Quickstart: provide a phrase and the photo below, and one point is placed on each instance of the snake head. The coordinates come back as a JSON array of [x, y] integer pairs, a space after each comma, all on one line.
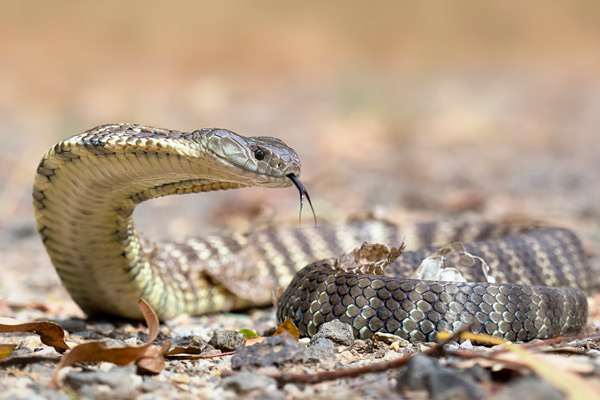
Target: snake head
[[266, 161], [260, 160]]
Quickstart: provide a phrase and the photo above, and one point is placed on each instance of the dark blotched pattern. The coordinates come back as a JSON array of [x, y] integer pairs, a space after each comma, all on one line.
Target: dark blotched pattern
[[416, 310]]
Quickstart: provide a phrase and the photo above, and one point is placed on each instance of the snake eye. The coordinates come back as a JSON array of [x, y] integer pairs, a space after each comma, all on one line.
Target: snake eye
[[259, 154]]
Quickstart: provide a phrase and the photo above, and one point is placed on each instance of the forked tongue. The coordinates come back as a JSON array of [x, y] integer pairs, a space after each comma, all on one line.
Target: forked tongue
[[303, 193]]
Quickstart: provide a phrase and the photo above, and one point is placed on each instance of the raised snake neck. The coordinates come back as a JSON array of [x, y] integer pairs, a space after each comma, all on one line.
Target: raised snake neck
[[87, 186]]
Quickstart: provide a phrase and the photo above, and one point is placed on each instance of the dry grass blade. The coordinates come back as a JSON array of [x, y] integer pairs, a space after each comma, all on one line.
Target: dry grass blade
[[97, 351], [554, 370], [51, 334]]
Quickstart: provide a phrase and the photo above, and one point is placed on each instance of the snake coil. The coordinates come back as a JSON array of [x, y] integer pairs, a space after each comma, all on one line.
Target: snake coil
[[87, 187]]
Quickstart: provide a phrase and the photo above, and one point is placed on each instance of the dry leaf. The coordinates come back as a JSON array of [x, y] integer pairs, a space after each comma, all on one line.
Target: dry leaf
[[153, 361], [97, 351], [255, 340], [289, 327], [51, 334], [6, 350]]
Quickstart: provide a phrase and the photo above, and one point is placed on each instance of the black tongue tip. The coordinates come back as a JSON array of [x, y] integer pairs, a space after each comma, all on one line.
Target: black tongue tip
[[303, 193]]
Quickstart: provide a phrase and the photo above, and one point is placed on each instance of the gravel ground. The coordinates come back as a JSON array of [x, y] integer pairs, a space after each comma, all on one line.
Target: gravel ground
[[395, 111]]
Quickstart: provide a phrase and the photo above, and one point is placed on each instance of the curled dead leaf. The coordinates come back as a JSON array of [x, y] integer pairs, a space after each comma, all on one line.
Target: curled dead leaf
[[97, 351], [153, 360], [289, 327], [50, 333]]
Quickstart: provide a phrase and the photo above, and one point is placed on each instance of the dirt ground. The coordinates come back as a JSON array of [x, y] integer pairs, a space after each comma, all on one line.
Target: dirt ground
[[407, 111]]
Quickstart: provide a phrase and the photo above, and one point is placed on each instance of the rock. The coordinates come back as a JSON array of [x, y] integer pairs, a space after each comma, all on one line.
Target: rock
[[442, 382], [19, 228], [21, 352], [478, 373], [388, 338], [530, 388], [42, 369], [336, 331], [363, 346], [189, 341], [415, 374], [104, 327], [275, 351], [449, 384], [320, 351], [87, 334], [116, 378], [246, 382], [226, 340], [149, 385]]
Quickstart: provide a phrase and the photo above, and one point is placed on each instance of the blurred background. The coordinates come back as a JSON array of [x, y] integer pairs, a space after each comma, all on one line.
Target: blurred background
[[403, 109]]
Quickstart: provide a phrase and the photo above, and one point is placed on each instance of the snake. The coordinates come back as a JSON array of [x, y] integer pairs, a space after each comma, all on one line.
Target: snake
[[86, 188]]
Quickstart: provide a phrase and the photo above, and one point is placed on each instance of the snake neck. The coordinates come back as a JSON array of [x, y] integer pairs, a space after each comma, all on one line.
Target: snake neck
[[85, 221]]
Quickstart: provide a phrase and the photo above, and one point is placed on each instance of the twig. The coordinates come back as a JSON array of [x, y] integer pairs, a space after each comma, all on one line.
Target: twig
[[493, 355], [560, 339], [197, 356]]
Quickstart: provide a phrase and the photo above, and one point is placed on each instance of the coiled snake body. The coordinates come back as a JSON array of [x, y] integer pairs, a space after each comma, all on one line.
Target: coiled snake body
[[87, 186]]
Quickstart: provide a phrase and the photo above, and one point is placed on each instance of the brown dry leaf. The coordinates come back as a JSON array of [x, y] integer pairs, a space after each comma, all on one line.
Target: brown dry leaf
[[51, 334], [289, 327], [153, 361], [255, 340], [97, 351], [6, 350]]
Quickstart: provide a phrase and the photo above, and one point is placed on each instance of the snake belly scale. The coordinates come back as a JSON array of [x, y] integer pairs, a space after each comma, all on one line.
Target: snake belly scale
[[87, 187]]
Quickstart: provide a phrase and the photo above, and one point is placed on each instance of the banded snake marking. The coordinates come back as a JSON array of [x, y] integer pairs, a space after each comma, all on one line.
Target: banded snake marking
[[87, 187]]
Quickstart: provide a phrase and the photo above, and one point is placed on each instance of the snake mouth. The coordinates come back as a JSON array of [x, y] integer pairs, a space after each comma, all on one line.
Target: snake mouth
[[303, 193]]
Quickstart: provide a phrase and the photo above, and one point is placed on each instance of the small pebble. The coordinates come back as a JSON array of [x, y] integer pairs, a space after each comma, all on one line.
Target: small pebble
[[117, 377], [449, 384], [336, 331], [530, 388], [246, 382], [415, 373], [275, 351], [388, 338], [71, 324], [226, 340], [320, 351]]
